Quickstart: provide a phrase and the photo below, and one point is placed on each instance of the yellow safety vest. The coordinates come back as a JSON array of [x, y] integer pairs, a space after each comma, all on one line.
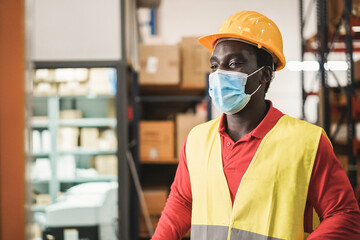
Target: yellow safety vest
[[270, 201]]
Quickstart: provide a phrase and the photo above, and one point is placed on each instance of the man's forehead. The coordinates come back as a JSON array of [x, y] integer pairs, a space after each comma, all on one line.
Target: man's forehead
[[233, 47], [232, 41]]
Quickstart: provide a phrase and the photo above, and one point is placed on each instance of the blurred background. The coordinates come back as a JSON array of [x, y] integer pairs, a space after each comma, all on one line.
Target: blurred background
[[97, 97]]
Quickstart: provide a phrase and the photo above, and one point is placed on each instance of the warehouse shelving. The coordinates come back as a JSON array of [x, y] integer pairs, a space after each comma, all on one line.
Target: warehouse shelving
[[53, 124], [78, 151], [120, 123], [322, 45], [154, 95], [81, 122]]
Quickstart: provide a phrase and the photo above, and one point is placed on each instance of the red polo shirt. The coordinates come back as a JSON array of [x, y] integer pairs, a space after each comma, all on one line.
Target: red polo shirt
[[330, 192]]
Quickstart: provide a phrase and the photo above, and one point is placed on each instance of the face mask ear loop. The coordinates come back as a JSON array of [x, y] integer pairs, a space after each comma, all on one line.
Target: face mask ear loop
[[255, 71], [256, 90]]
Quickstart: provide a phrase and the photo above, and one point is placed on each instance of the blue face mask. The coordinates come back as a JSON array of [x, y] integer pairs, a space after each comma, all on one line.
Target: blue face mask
[[227, 90]]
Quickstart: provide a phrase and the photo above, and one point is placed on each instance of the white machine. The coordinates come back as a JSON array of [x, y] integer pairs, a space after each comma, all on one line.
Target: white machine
[[86, 211]]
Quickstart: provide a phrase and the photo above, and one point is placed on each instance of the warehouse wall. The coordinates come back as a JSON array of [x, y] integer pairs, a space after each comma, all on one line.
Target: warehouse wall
[[76, 30], [200, 17]]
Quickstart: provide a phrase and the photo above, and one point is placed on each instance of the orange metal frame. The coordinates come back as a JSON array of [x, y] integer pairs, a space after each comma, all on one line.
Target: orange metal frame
[[12, 127]]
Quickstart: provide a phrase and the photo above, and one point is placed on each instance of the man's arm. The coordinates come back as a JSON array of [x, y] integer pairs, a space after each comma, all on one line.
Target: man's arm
[[331, 194], [175, 219]]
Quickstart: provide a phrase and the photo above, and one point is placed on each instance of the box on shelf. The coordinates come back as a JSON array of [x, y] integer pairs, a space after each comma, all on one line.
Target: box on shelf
[[159, 65], [195, 63], [44, 75], [89, 138], [71, 74], [156, 140], [45, 89], [155, 200], [70, 114], [100, 81], [142, 225], [106, 164], [66, 167], [184, 123], [108, 140], [41, 169], [35, 231], [73, 89], [343, 159], [68, 138], [43, 199], [357, 70]]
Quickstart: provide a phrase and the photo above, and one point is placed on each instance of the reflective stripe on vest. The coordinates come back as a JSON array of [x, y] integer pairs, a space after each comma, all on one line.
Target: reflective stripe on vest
[[270, 201]]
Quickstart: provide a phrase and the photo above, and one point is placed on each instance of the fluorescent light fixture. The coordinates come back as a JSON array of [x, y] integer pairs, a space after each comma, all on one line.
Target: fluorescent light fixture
[[356, 28], [336, 65], [306, 65], [314, 65]]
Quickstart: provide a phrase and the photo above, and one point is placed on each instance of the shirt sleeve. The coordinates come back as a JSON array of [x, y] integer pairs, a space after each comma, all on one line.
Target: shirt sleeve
[[331, 195], [175, 219]]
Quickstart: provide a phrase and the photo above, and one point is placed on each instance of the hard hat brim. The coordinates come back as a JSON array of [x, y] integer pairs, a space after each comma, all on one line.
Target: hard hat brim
[[208, 41]]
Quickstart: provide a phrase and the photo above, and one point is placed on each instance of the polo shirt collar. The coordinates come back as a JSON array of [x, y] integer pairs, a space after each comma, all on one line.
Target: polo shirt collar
[[271, 118]]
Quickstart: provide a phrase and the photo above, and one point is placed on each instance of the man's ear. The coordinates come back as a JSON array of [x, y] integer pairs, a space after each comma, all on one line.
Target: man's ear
[[267, 74]]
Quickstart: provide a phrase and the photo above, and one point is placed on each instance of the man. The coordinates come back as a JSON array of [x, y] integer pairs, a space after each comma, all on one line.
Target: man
[[255, 173]]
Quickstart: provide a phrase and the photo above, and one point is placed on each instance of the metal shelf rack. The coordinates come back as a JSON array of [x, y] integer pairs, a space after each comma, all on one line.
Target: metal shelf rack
[[155, 94], [325, 44], [120, 123]]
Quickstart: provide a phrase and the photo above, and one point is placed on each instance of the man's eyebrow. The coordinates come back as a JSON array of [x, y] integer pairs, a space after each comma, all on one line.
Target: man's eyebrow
[[232, 55], [213, 58]]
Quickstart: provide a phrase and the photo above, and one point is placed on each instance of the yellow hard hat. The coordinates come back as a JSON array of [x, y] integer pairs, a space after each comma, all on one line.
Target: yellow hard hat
[[253, 28]]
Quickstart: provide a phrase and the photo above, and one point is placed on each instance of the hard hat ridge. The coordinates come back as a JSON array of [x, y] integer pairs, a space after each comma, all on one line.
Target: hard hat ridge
[[253, 28]]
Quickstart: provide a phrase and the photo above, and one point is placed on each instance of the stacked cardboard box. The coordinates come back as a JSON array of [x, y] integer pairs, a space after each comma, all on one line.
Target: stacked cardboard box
[[185, 65], [74, 81], [157, 141], [159, 65], [155, 200], [184, 123], [68, 138], [195, 63], [106, 164], [89, 138]]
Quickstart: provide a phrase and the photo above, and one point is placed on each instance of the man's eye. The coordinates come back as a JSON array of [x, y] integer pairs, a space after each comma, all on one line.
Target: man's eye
[[234, 64], [214, 67]]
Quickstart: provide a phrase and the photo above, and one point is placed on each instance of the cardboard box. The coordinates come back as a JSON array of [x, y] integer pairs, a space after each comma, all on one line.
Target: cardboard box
[[106, 164], [44, 75], [142, 225], [155, 200], [89, 138], [195, 63], [45, 89], [68, 138], [73, 89], [34, 230], [156, 140], [108, 140], [99, 81], [159, 65], [43, 199], [184, 123], [71, 74], [357, 70], [343, 159], [70, 114]]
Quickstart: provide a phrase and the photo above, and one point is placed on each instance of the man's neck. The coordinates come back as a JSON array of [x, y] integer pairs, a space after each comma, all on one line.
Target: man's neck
[[243, 122]]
